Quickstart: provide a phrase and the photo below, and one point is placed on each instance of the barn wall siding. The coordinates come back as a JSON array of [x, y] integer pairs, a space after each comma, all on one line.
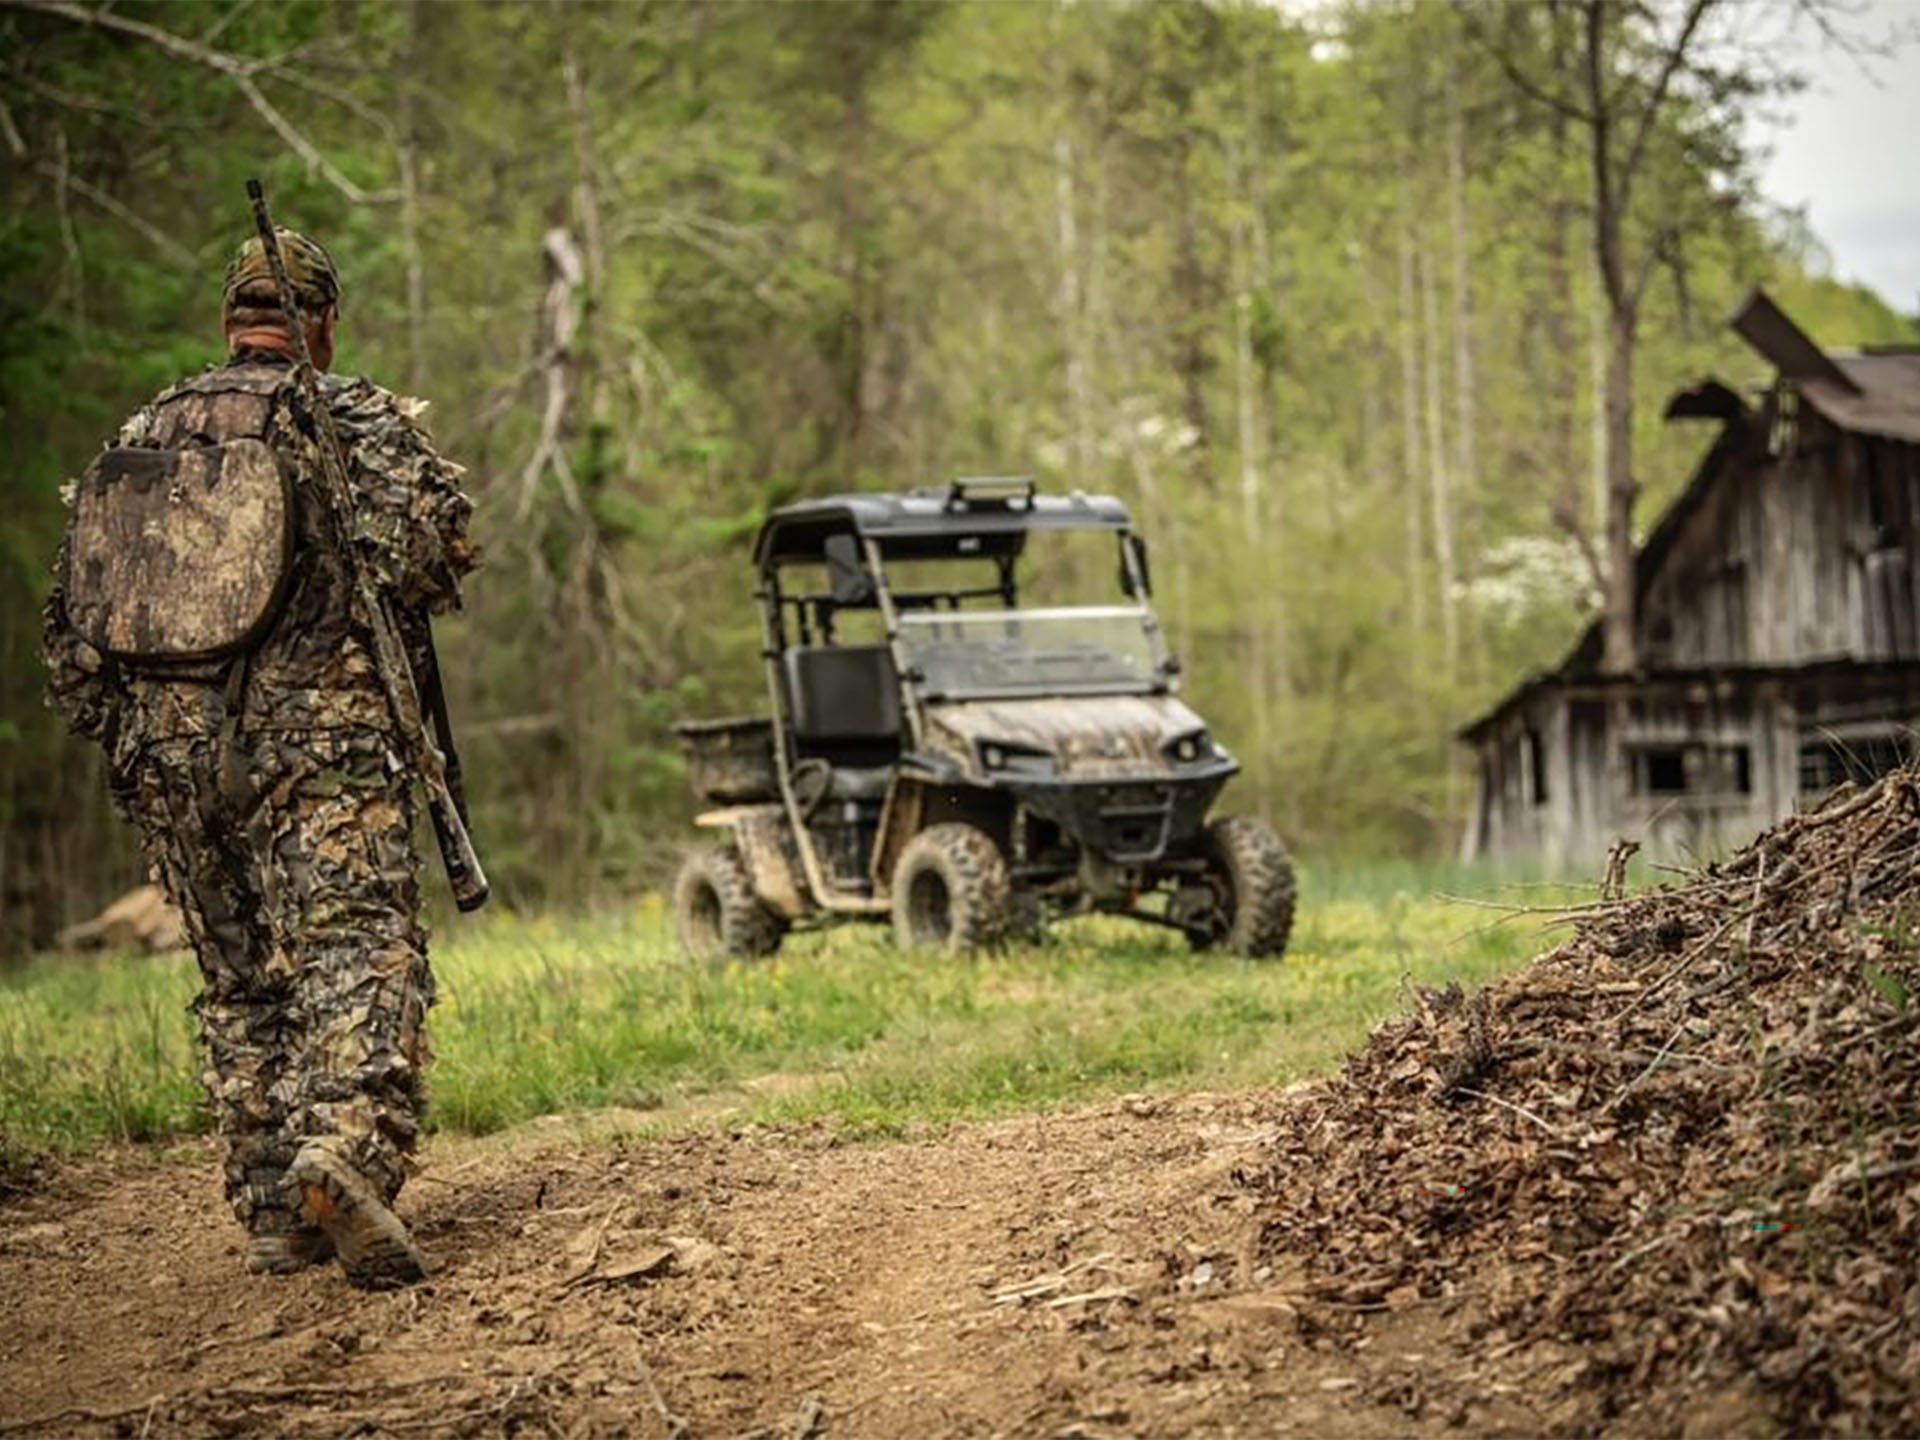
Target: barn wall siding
[[1793, 558], [1592, 732]]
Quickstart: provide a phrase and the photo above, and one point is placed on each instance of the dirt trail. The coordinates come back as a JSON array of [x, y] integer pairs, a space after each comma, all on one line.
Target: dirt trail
[[1084, 1275], [1664, 1180]]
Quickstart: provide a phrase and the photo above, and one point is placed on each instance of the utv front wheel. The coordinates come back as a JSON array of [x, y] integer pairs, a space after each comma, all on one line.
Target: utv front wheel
[[950, 891], [717, 912], [1252, 883]]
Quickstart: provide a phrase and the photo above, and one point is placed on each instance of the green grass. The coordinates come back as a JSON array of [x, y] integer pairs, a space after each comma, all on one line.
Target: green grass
[[550, 1016]]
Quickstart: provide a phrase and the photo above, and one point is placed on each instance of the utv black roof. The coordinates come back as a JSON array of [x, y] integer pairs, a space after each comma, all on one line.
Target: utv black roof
[[990, 516]]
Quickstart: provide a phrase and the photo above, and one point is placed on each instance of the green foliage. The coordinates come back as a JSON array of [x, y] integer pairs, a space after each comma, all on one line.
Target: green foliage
[[1259, 272], [540, 1016]]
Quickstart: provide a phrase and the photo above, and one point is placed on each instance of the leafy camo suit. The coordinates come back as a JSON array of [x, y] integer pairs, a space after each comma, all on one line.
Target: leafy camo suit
[[284, 832]]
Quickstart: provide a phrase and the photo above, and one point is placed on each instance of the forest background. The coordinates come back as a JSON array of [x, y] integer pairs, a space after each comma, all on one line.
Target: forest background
[[1313, 289]]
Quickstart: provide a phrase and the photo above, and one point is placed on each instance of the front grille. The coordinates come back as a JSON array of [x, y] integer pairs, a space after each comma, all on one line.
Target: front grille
[[1136, 797]]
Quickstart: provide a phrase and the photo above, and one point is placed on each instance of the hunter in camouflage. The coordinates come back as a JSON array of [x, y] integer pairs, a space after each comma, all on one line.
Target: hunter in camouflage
[[271, 801]]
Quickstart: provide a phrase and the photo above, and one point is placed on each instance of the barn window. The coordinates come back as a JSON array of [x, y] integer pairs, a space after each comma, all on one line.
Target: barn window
[[1827, 759], [1660, 770], [1692, 770], [1536, 753], [1740, 760]]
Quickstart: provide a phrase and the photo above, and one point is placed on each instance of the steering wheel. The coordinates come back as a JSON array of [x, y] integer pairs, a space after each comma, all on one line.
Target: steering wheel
[[811, 779]]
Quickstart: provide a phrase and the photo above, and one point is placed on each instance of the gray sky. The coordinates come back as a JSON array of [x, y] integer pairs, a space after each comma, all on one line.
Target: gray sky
[[1848, 150]]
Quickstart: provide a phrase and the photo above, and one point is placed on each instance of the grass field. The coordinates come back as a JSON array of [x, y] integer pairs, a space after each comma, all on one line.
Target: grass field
[[548, 1016]]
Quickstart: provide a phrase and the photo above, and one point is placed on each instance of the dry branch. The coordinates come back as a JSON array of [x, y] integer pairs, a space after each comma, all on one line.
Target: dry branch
[[1733, 1194], [238, 70]]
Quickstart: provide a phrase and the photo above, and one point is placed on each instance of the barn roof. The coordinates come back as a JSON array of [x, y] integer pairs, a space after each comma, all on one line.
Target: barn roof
[[1884, 400], [1867, 392]]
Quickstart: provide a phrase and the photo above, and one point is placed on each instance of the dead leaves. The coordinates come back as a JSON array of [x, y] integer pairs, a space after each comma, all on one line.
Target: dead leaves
[[1690, 1139], [592, 1258]]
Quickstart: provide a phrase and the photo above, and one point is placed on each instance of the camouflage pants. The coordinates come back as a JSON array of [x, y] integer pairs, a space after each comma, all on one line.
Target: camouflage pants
[[301, 895]]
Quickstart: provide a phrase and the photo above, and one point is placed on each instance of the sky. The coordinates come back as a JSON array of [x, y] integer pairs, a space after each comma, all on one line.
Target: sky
[[1847, 149]]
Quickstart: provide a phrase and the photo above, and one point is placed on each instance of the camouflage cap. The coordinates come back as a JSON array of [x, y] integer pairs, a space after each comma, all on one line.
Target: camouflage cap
[[309, 267]]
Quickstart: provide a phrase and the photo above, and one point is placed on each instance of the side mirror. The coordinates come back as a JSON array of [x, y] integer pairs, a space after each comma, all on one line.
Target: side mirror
[[848, 579], [1136, 576]]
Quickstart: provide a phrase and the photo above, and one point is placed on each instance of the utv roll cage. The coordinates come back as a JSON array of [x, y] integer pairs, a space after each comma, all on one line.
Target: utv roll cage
[[858, 707], [855, 536]]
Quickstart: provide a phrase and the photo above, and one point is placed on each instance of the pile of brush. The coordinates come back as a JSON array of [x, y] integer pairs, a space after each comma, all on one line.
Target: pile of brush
[[1676, 1159]]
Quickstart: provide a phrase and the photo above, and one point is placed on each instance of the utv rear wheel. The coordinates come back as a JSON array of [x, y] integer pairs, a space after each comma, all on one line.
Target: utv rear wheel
[[950, 891], [1252, 882], [717, 912]]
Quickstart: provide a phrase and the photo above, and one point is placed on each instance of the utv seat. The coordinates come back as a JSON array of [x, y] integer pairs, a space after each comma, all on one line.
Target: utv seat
[[843, 693], [846, 711]]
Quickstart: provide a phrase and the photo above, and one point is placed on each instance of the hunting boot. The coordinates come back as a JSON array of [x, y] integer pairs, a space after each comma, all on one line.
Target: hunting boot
[[279, 1244], [374, 1248], [278, 1241]]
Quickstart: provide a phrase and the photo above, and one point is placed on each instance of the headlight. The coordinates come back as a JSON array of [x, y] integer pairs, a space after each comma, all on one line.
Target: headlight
[[1000, 755], [1189, 748]]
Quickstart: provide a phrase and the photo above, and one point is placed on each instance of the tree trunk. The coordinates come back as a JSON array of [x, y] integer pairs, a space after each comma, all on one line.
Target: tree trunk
[[1251, 462], [1611, 190], [1410, 439], [1264, 281], [1192, 322], [591, 362], [1465, 390], [1621, 650], [1072, 315], [407, 158], [1439, 482], [1597, 434]]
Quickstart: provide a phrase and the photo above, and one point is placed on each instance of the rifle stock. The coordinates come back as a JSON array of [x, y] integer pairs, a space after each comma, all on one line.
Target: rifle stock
[[464, 875]]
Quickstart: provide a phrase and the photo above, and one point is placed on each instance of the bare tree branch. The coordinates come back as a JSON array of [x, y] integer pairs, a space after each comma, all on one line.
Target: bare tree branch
[[160, 240], [233, 13], [92, 104], [691, 230], [1607, 216], [1649, 116], [239, 70], [76, 266], [1659, 248], [1564, 510], [352, 104], [11, 132], [1517, 77]]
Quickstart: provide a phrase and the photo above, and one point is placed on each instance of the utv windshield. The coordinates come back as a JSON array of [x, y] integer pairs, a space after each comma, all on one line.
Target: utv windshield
[[1086, 650]]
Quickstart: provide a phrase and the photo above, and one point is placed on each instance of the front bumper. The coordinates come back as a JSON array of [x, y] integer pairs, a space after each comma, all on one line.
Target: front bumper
[[1128, 820]]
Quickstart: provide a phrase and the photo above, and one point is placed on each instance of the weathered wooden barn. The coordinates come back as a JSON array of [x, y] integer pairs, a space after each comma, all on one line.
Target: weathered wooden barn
[[1778, 629]]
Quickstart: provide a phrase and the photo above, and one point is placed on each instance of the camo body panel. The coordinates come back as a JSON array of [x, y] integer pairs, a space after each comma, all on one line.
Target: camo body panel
[[292, 856], [1106, 736]]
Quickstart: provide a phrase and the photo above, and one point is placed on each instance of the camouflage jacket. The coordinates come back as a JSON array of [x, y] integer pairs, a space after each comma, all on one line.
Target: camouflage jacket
[[314, 670]]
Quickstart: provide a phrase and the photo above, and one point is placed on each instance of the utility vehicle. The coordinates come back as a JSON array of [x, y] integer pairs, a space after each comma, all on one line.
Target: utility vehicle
[[968, 765]]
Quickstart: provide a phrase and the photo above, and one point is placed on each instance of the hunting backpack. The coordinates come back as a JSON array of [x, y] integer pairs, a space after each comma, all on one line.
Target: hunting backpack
[[181, 552]]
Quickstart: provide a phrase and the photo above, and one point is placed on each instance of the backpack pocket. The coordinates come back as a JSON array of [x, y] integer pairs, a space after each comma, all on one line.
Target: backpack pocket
[[179, 555]]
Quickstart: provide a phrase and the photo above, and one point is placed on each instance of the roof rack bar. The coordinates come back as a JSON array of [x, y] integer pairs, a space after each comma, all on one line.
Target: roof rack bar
[[1002, 489]]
